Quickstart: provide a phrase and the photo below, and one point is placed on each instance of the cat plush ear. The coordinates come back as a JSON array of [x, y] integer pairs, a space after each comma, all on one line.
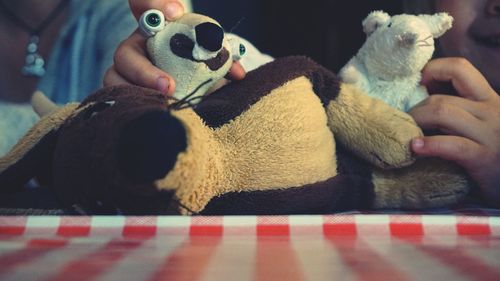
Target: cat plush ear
[[438, 23], [31, 156], [375, 20]]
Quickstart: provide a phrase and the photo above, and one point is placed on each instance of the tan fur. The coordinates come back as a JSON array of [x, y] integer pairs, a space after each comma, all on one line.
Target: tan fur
[[291, 128], [371, 128], [49, 122], [287, 126], [197, 171], [425, 184]]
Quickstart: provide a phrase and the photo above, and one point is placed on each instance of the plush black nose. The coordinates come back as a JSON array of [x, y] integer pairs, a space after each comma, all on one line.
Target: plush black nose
[[209, 36], [148, 146]]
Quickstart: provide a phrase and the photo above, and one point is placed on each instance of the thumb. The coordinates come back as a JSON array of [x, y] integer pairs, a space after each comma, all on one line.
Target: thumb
[[172, 9], [236, 72]]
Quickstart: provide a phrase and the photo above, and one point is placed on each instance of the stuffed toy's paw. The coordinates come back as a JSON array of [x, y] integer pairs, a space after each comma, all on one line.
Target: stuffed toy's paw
[[350, 75], [429, 183], [372, 129], [395, 51]]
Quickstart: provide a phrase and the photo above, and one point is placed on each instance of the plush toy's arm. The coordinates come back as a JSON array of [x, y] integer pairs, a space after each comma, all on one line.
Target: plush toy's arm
[[371, 128], [354, 73]]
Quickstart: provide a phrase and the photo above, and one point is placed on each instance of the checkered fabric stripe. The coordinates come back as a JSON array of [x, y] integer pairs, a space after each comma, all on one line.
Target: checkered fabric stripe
[[332, 247], [250, 257], [327, 225]]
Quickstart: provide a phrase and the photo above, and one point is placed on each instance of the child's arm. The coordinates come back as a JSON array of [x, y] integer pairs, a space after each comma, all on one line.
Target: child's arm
[[470, 122]]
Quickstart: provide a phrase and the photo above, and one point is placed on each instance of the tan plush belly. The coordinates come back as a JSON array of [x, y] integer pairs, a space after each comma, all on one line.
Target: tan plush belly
[[281, 141]]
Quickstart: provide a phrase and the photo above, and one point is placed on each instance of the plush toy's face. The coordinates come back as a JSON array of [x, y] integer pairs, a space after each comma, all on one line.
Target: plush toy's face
[[404, 43], [194, 50], [105, 146]]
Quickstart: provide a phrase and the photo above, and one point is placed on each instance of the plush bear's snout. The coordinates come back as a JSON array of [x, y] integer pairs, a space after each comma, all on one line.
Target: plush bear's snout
[[142, 151], [210, 36], [407, 39]]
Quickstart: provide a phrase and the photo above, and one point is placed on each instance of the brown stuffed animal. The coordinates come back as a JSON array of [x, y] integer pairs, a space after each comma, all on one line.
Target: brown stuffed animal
[[287, 139], [290, 138]]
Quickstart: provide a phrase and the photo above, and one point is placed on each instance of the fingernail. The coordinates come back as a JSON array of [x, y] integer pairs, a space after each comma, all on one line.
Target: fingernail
[[417, 143], [173, 10], [162, 84]]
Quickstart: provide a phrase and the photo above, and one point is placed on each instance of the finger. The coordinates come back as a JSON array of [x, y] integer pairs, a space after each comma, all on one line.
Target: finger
[[477, 109], [458, 149], [132, 64], [451, 119], [172, 9], [237, 72], [465, 78], [111, 78]]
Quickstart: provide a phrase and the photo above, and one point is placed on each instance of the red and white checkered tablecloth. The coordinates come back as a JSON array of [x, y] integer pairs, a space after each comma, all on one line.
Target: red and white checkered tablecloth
[[331, 247]]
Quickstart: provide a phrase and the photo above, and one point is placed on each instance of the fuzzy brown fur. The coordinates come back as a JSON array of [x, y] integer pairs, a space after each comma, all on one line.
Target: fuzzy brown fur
[[48, 123]]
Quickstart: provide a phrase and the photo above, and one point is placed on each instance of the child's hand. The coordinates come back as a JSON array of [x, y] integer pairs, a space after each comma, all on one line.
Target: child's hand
[[131, 65], [470, 120]]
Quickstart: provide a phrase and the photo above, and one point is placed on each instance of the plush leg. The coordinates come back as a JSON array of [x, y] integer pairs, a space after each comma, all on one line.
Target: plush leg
[[340, 193], [428, 183]]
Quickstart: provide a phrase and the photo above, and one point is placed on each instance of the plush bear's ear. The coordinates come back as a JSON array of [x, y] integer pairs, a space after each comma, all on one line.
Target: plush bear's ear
[[438, 23], [32, 155], [375, 20]]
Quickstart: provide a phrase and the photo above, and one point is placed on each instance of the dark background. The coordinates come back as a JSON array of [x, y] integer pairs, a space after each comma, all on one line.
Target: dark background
[[329, 31]]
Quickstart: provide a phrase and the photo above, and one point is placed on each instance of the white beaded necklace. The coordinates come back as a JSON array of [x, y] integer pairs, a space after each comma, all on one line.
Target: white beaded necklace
[[34, 63]]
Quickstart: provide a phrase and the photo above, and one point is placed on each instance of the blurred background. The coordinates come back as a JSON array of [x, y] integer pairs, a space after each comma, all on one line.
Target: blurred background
[[330, 32]]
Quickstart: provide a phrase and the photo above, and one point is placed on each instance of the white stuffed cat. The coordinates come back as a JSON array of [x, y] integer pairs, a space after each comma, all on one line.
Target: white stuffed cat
[[389, 64]]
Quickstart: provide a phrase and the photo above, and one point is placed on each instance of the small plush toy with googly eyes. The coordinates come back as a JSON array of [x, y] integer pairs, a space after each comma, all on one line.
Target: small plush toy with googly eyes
[[388, 66], [193, 49]]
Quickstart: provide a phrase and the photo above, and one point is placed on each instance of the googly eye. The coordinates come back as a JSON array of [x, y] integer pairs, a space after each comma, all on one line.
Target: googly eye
[[237, 48], [242, 50], [151, 22], [239, 51]]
